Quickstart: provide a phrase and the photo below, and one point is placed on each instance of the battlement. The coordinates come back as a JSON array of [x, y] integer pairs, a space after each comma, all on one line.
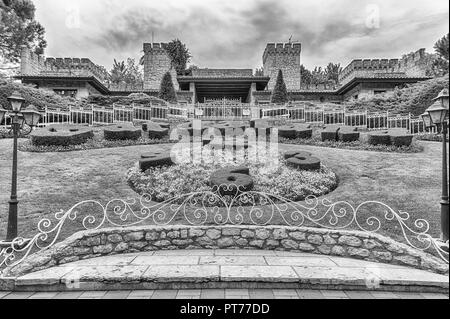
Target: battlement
[[282, 49], [409, 65], [222, 72], [34, 64], [155, 47]]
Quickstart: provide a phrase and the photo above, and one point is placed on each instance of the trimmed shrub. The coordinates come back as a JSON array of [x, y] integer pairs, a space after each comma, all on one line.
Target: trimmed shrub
[[154, 159], [379, 138], [348, 134], [122, 132], [400, 137], [291, 154], [306, 163], [330, 133], [61, 135]]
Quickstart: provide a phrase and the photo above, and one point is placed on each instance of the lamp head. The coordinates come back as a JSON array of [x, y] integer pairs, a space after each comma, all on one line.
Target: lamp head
[[16, 101], [31, 115], [438, 113]]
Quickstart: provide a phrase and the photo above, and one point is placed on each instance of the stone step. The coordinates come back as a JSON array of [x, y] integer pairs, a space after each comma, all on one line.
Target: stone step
[[227, 269]]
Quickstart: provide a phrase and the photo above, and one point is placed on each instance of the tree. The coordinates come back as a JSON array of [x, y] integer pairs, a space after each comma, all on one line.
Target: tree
[[167, 91], [280, 94], [318, 76], [118, 72], [332, 72], [179, 55], [18, 27], [306, 76], [442, 47], [126, 73], [441, 64], [259, 72]]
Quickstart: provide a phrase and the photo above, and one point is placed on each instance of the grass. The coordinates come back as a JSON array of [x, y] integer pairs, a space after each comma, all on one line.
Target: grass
[[51, 182]]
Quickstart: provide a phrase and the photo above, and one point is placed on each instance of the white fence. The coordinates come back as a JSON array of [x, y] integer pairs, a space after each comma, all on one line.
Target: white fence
[[95, 115]]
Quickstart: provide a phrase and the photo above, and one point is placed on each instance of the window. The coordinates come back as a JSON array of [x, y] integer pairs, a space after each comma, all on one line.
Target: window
[[70, 93]]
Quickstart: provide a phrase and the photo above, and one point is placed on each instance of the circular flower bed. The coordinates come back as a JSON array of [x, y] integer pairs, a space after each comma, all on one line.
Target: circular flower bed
[[168, 182]]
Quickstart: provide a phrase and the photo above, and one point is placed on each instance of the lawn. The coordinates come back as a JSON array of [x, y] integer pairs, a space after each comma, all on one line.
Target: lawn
[[50, 182]]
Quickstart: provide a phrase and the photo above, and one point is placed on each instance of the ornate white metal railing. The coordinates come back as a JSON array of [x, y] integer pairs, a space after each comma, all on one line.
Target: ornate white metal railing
[[211, 208], [95, 115]]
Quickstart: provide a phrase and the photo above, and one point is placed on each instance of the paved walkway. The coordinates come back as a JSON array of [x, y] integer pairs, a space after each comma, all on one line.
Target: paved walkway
[[223, 294], [231, 269]]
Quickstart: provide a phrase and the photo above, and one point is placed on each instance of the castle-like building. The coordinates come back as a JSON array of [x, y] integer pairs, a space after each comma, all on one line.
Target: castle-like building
[[361, 78]]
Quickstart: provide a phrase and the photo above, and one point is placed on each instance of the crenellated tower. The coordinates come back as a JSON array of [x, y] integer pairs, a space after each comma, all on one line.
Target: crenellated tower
[[285, 57], [157, 63]]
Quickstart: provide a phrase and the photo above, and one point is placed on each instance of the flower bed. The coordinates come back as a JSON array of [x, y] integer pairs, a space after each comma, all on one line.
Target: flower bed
[[165, 183]]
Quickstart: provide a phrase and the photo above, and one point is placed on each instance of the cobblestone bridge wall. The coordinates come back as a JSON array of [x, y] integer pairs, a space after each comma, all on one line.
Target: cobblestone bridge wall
[[351, 244]]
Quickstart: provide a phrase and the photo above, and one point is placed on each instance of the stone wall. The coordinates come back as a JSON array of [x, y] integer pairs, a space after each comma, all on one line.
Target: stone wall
[[284, 57], [411, 65], [222, 72], [351, 244], [33, 64], [156, 64]]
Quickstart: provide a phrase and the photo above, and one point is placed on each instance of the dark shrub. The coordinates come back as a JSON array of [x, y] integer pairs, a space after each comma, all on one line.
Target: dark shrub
[[122, 132], [379, 138], [61, 135], [330, 133], [348, 134], [301, 162]]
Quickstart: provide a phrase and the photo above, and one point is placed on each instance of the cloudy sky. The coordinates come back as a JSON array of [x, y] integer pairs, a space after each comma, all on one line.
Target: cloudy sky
[[233, 33]]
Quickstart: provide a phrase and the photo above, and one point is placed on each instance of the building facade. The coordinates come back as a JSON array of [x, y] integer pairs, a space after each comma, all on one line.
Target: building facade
[[80, 77]]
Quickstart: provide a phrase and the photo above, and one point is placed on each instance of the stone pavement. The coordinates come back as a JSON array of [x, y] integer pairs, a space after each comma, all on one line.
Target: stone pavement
[[223, 294], [228, 269]]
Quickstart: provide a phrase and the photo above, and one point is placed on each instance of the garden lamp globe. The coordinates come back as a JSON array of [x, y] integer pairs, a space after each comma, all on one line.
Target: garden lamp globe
[[16, 101], [32, 116], [427, 119], [438, 113]]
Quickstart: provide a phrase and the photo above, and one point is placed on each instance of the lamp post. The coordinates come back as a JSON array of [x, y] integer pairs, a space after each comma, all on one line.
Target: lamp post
[[31, 117], [437, 114]]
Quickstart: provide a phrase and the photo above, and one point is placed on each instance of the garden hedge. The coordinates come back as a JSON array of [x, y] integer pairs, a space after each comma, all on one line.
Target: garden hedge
[[379, 138], [348, 134], [155, 159], [231, 181], [61, 135], [330, 133], [122, 132], [306, 163]]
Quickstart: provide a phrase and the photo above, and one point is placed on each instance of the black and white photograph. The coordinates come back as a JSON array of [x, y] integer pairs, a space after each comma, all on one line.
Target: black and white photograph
[[223, 156]]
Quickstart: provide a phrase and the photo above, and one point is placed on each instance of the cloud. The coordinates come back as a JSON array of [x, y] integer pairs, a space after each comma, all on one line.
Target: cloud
[[234, 33]]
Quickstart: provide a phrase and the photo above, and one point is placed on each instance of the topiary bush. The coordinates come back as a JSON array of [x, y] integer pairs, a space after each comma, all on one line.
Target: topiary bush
[[330, 133], [122, 132], [61, 135], [379, 138], [348, 134]]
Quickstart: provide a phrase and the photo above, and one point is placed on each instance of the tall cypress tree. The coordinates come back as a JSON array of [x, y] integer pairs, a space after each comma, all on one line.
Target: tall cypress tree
[[280, 94], [167, 91]]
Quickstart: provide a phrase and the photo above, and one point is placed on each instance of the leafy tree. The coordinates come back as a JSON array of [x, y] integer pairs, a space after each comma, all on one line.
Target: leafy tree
[[280, 94], [126, 73], [18, 27], [259, 72], [306, 75], [179, 55], [167, 91], [441, 64], [318, 76], [442, 47], [332, 72], [188, 72], [118, 72]]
